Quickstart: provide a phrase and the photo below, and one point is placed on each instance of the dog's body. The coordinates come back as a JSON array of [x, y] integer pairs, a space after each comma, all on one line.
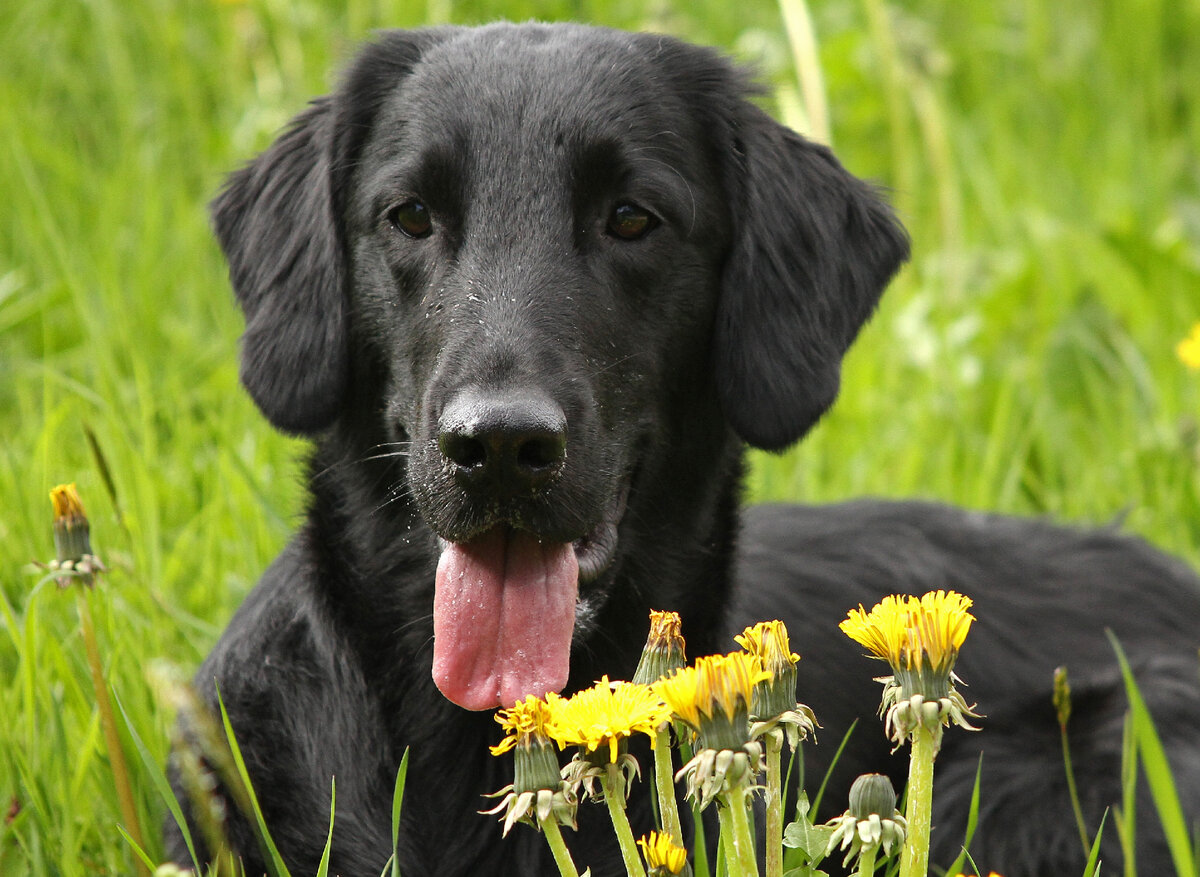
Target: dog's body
[[531, 288]]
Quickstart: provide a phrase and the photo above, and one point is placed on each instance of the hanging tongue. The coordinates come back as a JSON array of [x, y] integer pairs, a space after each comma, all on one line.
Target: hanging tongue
[[503, 612]]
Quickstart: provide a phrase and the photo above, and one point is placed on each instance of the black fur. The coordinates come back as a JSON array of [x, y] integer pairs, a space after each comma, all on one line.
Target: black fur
[[651, 361]]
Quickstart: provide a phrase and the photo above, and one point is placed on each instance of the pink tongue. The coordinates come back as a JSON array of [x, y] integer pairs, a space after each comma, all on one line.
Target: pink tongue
[[503, 612]]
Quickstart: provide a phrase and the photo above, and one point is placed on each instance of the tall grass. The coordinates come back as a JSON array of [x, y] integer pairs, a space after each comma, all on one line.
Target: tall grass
[[1043, 156]]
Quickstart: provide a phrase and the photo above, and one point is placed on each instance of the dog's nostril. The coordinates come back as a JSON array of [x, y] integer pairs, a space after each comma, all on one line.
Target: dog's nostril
[[462, 450], [542, 452]]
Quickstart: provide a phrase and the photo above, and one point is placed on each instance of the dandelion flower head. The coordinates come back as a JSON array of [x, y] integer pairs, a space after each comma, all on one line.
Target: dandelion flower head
[[1188, 350], [525, 723], [769, 641], [661, 854], [606, 714], [714, 685], [913, 633]]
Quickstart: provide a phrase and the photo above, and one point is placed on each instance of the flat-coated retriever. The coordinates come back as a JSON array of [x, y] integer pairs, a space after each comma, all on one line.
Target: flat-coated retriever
[[531, 289]]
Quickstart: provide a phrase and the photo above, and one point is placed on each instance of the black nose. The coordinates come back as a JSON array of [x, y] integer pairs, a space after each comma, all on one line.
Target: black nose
[[503, 445]]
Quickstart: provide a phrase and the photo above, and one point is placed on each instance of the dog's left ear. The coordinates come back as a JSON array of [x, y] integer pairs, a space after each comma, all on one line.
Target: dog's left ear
[[813, 249]]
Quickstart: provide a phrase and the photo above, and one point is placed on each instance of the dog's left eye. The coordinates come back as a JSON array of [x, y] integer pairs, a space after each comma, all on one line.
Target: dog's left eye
[[411, 218], [630, 222]]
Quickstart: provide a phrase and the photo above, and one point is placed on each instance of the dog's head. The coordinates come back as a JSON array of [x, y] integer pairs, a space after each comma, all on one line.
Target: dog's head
[[554, 255]]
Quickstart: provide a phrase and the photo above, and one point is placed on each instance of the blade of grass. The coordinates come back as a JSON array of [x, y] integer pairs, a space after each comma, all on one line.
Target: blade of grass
[[323, 867], [397, 801], [832, 763], [270, 853], [1126, 816], [1093, 863], [146, 861], [1157, 771], [972, 821], [159, 777]]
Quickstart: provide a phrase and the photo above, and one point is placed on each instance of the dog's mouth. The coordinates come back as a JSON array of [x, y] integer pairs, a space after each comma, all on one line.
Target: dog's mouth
[[504, 610]]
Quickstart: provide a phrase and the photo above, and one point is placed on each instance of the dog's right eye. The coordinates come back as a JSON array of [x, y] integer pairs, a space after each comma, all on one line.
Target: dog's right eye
[[629, 222], [411, 219]]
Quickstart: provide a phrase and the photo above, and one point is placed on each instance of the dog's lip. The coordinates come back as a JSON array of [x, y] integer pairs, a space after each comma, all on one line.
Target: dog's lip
[[595, 551]]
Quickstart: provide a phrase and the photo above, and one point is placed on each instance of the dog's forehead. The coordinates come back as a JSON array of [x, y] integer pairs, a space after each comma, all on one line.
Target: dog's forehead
[[511, 87]]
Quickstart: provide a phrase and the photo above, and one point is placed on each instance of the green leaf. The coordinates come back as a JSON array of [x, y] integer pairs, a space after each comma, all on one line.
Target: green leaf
[[802, 835]]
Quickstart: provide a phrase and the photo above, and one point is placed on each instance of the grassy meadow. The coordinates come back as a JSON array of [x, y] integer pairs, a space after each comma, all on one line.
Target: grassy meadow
[[1044, 156]]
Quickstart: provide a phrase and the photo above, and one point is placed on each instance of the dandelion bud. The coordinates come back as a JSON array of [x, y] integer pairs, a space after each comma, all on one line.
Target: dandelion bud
[[871, 822], [72, 539], [872, 793], [663, 653]]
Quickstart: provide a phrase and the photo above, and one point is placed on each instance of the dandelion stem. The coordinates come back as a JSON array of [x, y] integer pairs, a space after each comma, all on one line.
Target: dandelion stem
[[866, 860], [774, 804], [664, 785], [562, 856], [116, 755], [914, 861], [739, 850], [614, 797]]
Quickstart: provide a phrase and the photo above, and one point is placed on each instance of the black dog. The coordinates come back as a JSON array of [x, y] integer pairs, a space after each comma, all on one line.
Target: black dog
[[530, 289]]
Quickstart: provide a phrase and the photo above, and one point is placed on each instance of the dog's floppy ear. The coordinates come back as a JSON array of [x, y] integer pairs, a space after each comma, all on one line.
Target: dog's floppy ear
[[275, 222], [279, 221], [813, 249]]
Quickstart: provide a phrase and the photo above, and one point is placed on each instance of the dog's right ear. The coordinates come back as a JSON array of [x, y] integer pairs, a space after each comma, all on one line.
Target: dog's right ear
[[275, 222], [279, 223]]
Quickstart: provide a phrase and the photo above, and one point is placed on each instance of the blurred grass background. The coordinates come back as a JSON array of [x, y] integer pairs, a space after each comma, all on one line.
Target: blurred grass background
[[1044, 157]]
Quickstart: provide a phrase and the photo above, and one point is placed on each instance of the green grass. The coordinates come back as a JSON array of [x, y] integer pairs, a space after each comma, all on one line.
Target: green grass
[[1043, 156]]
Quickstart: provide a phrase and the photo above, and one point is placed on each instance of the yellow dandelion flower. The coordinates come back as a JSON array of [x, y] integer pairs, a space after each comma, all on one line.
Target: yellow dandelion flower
[[1188, 350], [919, 637], [662, 855], [716, 685], [537, 793], [774, 708], [525, 723], [606, 714], [67, 504], [912, 633], [769, 641]]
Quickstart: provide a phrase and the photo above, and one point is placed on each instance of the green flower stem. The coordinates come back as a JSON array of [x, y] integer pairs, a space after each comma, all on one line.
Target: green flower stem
[[614, 797], [562, 856], [1073, 791], [774, 803], [739, 850], [866, 860], [108, 723], [664, 785], [914, 861]]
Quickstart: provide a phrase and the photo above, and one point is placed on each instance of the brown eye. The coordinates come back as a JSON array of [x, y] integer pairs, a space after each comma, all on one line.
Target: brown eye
[[411, 218], [630, 222]]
